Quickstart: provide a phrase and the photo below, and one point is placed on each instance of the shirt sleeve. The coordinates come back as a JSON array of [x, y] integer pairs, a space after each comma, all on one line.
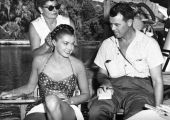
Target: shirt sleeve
[[100, 57], [154, 54]]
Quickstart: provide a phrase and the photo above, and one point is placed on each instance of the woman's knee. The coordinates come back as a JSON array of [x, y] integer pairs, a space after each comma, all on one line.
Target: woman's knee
[[52, 102]]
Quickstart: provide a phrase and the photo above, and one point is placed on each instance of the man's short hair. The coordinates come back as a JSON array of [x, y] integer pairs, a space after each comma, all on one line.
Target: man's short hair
[[124, 9]]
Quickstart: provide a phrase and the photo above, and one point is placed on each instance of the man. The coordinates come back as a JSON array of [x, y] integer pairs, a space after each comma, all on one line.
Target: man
[[130, 63]]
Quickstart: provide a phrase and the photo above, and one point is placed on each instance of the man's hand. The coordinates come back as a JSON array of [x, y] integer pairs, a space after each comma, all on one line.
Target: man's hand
[[105, 88], [105, 92]]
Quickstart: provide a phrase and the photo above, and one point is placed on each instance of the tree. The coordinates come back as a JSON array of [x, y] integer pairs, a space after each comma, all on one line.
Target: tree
[[16, 16], [86, 14]]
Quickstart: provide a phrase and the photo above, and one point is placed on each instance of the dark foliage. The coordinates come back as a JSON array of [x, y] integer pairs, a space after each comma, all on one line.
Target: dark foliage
[[86, 14]]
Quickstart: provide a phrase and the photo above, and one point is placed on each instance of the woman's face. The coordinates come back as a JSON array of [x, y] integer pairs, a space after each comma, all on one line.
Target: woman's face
[[65, 45], [50, 9]]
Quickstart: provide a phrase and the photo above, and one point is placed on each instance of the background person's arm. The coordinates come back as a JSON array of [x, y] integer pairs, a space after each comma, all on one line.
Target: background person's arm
[[72, 24], [35, 42]]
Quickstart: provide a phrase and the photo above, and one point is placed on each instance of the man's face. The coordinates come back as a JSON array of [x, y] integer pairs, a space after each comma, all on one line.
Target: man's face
[[119, 26]]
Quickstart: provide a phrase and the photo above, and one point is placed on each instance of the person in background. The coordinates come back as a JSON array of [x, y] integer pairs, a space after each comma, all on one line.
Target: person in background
[[167, 31], [166, 45], [43, 25], [130, 64], [58, 75], [161, 112]]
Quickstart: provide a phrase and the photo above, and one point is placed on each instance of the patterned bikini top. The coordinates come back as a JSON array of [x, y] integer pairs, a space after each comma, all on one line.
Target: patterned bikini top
[[47, 85]]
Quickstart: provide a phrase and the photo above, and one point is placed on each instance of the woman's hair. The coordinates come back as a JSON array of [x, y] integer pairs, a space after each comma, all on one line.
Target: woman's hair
[[61, 30], [124, 9], [40, 3]]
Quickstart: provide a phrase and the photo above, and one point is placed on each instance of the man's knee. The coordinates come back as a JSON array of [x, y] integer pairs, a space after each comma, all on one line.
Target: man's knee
[[98, 113], [95, 111], [102, 109]]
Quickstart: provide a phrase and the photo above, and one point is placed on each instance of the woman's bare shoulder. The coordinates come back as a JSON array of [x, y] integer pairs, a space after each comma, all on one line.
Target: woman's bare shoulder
[[76, 62], [41, 59]]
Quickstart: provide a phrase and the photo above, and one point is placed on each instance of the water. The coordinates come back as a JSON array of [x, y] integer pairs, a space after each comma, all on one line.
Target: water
[[16, 60], [15, 66]]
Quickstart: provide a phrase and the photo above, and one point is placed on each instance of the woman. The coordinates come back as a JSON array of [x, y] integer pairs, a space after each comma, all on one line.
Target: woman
[[43, 25], [58, 75]]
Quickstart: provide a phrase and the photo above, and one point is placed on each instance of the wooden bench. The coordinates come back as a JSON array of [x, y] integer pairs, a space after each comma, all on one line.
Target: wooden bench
[[21, 103]]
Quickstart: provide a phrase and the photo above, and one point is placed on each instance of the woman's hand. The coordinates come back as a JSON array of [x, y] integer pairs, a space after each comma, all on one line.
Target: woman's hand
[[48, 41], [57, 93], [6, 95]]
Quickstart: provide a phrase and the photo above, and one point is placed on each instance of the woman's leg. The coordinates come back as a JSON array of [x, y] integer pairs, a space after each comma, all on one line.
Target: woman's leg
[[59, 110]]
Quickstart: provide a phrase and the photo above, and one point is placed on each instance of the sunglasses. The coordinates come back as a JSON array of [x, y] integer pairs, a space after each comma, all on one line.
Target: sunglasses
[[51, 7]]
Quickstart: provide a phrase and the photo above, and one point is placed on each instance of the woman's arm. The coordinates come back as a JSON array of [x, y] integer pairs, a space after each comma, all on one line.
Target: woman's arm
[[35, 42], [29, 87], [82, 83]]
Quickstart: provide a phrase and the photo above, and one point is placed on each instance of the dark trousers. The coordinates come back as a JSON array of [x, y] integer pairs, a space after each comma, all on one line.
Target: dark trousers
[[36, 116], [130, 93]]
